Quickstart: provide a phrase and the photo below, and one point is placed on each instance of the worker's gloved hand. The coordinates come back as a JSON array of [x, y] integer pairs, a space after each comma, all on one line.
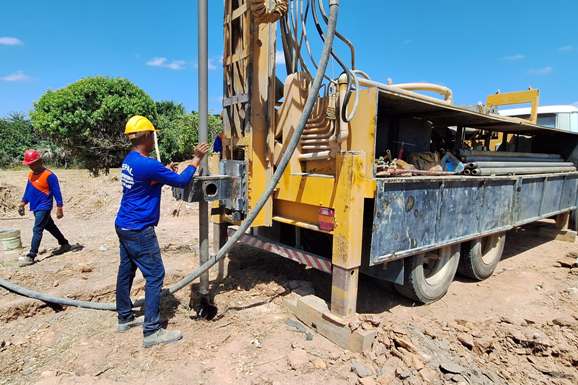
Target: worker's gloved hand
[[59, 212], [172, 166], [21, 211], [201, 150]]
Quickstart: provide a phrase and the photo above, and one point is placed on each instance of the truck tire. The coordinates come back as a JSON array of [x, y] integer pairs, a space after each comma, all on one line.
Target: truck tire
[[481, 256], [428, 276]]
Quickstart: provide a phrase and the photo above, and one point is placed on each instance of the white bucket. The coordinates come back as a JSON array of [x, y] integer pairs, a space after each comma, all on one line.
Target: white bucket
[[10, 239]]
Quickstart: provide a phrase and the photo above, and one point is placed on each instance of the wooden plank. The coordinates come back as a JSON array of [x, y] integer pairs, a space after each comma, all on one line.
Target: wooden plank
[[314, 312]]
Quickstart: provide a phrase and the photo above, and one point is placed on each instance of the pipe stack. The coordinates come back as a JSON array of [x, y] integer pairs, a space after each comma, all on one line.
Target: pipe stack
[[486, 163]]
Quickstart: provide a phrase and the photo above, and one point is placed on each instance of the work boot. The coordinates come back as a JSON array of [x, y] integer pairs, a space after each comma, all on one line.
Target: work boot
[[162, 336], [124, 326], [62, 249], [25, 260]]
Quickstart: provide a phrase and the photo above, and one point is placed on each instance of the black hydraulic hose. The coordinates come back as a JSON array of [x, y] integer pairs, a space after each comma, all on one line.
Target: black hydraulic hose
[[287, 44], [350, 75], [345, 40], [283, 162]]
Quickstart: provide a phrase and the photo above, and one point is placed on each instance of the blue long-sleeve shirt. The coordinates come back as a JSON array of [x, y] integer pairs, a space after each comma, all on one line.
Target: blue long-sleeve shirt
[[142, 179], [41, 190]]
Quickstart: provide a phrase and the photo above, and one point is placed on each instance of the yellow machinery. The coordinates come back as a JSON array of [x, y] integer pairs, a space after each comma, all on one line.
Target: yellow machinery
[[331, 211]]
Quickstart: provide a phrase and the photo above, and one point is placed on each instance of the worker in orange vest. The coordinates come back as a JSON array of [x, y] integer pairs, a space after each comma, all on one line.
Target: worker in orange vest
[[42, 189]]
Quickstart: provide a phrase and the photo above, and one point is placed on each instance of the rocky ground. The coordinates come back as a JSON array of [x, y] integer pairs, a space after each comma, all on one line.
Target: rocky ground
[[518, 327]]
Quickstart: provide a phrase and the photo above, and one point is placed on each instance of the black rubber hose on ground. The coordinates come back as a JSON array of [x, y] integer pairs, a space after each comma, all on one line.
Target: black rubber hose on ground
[[284, 161]]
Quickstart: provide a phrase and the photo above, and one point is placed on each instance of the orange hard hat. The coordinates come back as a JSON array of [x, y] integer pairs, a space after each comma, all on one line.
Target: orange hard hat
[[31, 156]]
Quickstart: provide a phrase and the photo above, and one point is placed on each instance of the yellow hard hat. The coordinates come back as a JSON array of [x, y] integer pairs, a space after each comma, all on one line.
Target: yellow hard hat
[[137, 125]]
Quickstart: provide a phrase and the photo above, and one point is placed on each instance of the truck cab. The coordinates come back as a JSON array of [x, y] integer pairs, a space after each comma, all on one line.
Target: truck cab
[[562, 117]]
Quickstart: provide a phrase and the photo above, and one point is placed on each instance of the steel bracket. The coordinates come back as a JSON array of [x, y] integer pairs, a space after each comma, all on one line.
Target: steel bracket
[[207, 189]]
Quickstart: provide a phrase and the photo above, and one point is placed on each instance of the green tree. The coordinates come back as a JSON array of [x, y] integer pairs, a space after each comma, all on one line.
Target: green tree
[[178, 133], [170, 109], [17, 135], [87, 119]]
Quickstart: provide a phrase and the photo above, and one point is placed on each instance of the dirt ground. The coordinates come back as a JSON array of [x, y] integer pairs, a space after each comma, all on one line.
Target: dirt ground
[[518, 327]]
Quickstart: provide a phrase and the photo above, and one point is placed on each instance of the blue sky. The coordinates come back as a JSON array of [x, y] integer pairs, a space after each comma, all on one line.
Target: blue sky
[[473, 47]]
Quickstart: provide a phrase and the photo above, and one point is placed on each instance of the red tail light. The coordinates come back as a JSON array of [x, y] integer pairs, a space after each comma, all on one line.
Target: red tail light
[[326, 219]]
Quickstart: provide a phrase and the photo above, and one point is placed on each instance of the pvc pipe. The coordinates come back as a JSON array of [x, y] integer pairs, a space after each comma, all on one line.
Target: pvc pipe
[[157, 151], [521, 170], [470, 159], [399, 171], [506, 164], [442, 90], [504, 154], [389, 88], [270, 188]]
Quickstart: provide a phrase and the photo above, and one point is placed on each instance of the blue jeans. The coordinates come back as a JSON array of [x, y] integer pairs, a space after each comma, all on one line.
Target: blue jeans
[[43, 221], [140, 249]]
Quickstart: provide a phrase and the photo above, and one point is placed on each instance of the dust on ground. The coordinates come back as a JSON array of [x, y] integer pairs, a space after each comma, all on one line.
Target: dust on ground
[[8, 198], [518, 327]]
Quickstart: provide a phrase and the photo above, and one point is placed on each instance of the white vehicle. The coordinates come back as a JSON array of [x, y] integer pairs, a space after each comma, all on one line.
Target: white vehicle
[[562, 117]]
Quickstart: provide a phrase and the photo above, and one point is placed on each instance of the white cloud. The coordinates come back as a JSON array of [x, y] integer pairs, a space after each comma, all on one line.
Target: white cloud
[[163, 62], [566, 48], [212, 66], [18, 76], [279, 58], [575, 104], [7, 40], [541, 71], [514, 57]]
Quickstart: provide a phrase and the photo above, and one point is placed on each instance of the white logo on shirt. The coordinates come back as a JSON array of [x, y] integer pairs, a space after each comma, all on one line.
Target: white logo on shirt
[[126, 176]]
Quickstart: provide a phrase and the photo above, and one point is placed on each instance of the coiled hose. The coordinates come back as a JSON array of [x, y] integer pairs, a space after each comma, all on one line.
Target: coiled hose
[[284, 161]]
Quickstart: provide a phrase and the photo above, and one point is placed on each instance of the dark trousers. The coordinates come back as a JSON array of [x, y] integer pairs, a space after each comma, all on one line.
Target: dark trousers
[[43, 221], [140, 249]]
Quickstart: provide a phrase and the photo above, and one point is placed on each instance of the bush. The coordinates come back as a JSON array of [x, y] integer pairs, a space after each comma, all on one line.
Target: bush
[[87, 119], [179, 131], [17, 136]]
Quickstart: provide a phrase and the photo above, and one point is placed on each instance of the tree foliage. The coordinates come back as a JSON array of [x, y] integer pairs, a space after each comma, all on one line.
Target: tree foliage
[[83, 124], [17, 136], [178, 131], [87, 119]]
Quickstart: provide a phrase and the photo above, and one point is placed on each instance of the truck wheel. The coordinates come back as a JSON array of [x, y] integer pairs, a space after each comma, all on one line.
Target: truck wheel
[[481, 256], [428, 276]]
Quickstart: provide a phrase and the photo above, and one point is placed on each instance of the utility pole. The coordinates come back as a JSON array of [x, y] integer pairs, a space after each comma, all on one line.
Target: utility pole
[[203, 138]]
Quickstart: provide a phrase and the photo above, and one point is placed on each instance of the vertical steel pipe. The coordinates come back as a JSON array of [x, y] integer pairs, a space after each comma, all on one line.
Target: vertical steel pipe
[[203, 32]]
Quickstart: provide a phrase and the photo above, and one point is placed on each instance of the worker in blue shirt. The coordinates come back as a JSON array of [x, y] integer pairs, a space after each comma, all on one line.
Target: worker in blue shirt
[[142, 179], [41, 189]]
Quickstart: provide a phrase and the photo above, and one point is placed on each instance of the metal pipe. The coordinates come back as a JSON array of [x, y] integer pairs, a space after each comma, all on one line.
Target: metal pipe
[[343, 124], [504, 154], [521, 170], [316, 155], [507, 164], [399, 171], [442, 90], [203, 32], [470, 159]]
